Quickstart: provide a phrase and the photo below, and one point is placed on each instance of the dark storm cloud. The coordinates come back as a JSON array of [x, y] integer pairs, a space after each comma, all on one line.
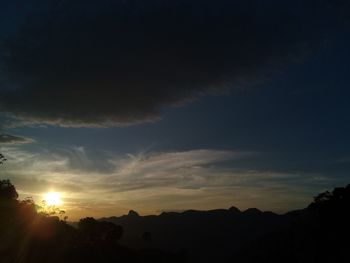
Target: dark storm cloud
[[103, 63]]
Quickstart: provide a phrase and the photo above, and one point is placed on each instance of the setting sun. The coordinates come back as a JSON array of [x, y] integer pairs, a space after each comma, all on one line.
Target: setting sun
[[52, 199]]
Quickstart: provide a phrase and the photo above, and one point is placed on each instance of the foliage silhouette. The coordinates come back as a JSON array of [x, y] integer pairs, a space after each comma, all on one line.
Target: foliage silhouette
[[7, 190]]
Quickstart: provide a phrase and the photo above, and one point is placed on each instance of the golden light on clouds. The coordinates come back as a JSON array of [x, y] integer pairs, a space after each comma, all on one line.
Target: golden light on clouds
[[149, 182]]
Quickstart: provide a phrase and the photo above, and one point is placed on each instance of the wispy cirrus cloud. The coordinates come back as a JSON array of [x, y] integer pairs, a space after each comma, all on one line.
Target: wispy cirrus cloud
[[153, 181], [12, 139]]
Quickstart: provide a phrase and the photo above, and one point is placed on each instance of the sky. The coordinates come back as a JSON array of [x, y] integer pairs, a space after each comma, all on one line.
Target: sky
[[172, 105]]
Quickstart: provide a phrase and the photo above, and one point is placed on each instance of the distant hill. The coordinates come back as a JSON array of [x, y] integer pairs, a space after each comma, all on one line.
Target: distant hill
[[206, 236]]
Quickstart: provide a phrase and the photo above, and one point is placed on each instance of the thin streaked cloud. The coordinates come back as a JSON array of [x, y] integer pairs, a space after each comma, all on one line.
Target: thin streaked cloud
[[181, 179]]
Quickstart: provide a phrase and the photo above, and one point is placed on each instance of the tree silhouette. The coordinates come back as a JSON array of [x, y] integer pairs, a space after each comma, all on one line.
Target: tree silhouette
[[7, 190], [2, 159], [336, 201]]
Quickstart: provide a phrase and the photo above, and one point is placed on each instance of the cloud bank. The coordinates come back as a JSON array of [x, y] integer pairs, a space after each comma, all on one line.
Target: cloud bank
[[110, 63]]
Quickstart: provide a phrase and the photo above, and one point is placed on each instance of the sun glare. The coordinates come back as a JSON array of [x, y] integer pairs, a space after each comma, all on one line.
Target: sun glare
[[52, 199]]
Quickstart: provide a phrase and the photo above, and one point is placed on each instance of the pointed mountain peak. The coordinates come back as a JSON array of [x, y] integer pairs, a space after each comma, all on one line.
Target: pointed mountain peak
[[133, 213]]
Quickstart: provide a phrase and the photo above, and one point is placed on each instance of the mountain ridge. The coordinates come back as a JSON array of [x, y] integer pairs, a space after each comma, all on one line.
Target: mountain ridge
[[204, 235]]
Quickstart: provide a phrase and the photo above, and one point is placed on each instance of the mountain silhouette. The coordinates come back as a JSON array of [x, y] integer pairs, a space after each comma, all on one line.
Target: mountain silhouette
[[204, 235], [318, 233]]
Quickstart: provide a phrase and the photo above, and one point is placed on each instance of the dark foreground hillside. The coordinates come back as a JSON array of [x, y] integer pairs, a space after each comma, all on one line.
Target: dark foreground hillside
[[318, 233]]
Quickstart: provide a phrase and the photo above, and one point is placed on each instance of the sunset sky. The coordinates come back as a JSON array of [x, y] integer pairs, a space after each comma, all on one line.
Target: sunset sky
[[172, 105]]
